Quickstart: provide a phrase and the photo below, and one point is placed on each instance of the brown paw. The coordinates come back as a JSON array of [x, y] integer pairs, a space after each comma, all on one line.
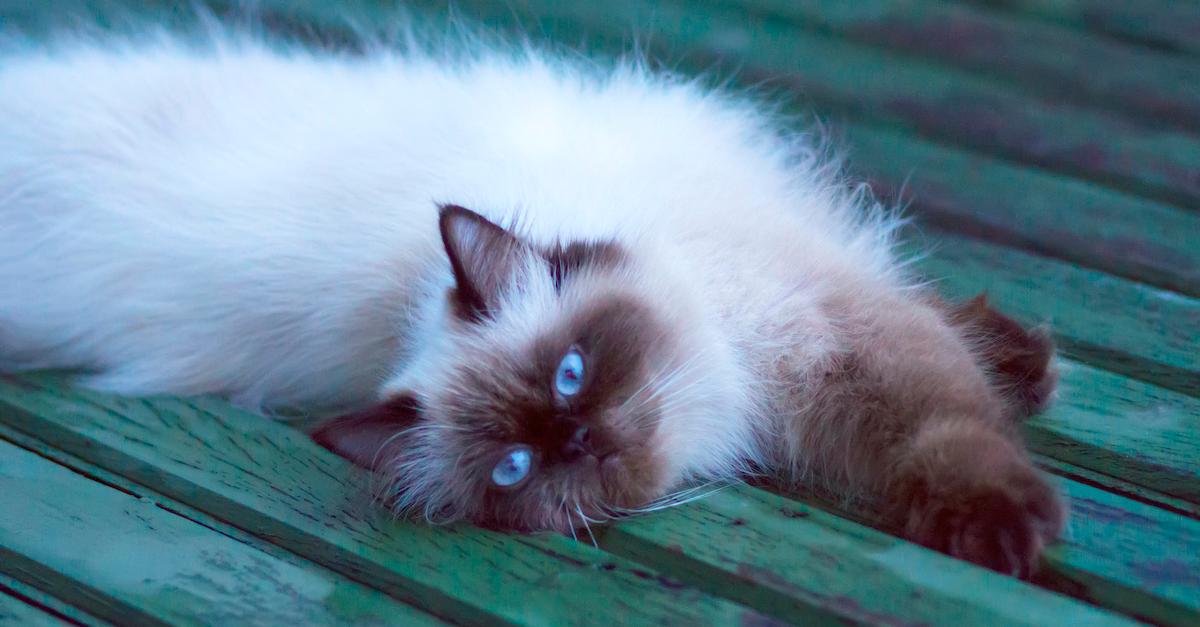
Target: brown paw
[[984, 504]]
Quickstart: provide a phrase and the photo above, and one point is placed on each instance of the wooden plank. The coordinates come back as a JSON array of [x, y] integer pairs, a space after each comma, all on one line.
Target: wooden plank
[[129, 560], [270, 480], [776, 554], [1157, 87], [1029, 208], [61, 612], [1117, 485], [131, 425], [868, 84], [1117, 553], [1135, 557], [1139, 433], [15, 612], [1163, 24], [1113, 323]]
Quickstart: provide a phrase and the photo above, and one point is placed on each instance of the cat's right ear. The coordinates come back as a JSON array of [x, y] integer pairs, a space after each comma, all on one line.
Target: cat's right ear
[[484, 257], [369, 438]]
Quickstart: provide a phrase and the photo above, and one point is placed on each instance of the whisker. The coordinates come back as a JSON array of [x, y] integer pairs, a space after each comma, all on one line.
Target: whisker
[[681, 498], [586, 525], [571, 524]]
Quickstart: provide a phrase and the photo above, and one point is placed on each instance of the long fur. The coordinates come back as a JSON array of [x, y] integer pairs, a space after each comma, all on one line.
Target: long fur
[[230, 216]]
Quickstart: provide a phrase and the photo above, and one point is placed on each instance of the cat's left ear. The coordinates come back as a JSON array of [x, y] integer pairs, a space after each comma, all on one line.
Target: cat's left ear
[[369, 437], [484, 257]]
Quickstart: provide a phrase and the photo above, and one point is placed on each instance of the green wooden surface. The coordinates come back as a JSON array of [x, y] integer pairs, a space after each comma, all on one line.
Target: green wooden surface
[[779, 554], [1053, 61], [1133, 557], [130, 560], [862, 82], [1029, 208], [1125, 428], [1167, 24], [1119, 325], [58, 612], [16, 612], [115, 433], [272, 481]]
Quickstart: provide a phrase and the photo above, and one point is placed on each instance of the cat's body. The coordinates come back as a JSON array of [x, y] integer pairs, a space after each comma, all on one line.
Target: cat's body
[[265, 225]]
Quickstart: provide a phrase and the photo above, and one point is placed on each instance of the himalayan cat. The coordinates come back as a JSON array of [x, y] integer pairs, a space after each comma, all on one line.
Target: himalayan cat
[[543, 292]]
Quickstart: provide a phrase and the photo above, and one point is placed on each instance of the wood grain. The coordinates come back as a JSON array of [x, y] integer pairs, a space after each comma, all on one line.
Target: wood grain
[[1028, 208], [781, 555], [273, 482], [1052, 61], [54, 609], [287, 481], [129, 560], [1161, 24], [15, 612], [1125, 327], [1127, 429], [861, 82]]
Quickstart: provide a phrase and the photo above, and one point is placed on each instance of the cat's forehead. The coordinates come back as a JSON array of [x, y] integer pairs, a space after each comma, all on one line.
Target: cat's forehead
[[618, 335]]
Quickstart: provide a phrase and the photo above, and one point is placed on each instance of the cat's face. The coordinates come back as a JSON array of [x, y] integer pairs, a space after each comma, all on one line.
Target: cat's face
[[545, 400]]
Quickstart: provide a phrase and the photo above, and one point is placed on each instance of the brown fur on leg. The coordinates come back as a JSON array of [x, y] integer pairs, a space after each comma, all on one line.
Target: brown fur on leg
[[1019, 361], [964, 489], [921, 416]]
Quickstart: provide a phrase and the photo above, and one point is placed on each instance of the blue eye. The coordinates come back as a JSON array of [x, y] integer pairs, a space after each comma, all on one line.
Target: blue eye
[[513, 467], [569, 376]]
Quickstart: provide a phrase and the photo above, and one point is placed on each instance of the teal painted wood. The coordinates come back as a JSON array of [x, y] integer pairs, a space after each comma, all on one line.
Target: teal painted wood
[[1054, 61], [1118, 325], [54, 609], [854, 80], [1124, 428], [1029, 208], [15, 612], [272, 481], [130, 560], [1161, 24], [117, 433], [1137, 558], [780, 555]]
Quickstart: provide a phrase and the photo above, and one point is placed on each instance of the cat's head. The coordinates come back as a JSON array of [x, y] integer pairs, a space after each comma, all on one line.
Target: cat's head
[[556, 383]]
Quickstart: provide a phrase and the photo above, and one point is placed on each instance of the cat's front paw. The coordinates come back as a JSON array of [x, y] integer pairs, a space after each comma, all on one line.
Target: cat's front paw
[[995, 510]]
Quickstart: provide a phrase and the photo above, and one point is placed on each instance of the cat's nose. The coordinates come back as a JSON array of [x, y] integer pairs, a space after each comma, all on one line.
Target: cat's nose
[[583, 441], [577, 444]]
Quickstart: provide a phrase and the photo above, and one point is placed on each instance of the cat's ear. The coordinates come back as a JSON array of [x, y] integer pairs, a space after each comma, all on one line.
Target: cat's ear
[[368, 437], [484, 257]]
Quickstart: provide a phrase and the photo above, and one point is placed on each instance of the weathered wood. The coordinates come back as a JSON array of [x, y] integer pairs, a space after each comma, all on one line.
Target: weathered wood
[[782, 556], [869, 84], [1118, 325], [117, 433], [272, 481], [15, 612], [1159, 88], [1029, 208], [1137, 558], [765, 551], [129, 560], [1124, 428], [60, 613], [1165, 24], [1117, 485]]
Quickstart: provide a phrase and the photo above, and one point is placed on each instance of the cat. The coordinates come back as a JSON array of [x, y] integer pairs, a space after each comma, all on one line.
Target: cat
[[541, 292]]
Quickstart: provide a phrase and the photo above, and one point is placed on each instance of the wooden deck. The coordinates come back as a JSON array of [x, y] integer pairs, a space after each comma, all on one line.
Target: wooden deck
[[1050, 153]]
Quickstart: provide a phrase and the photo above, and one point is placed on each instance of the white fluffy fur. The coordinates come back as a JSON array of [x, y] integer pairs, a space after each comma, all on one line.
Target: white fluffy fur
[[261, 222]]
